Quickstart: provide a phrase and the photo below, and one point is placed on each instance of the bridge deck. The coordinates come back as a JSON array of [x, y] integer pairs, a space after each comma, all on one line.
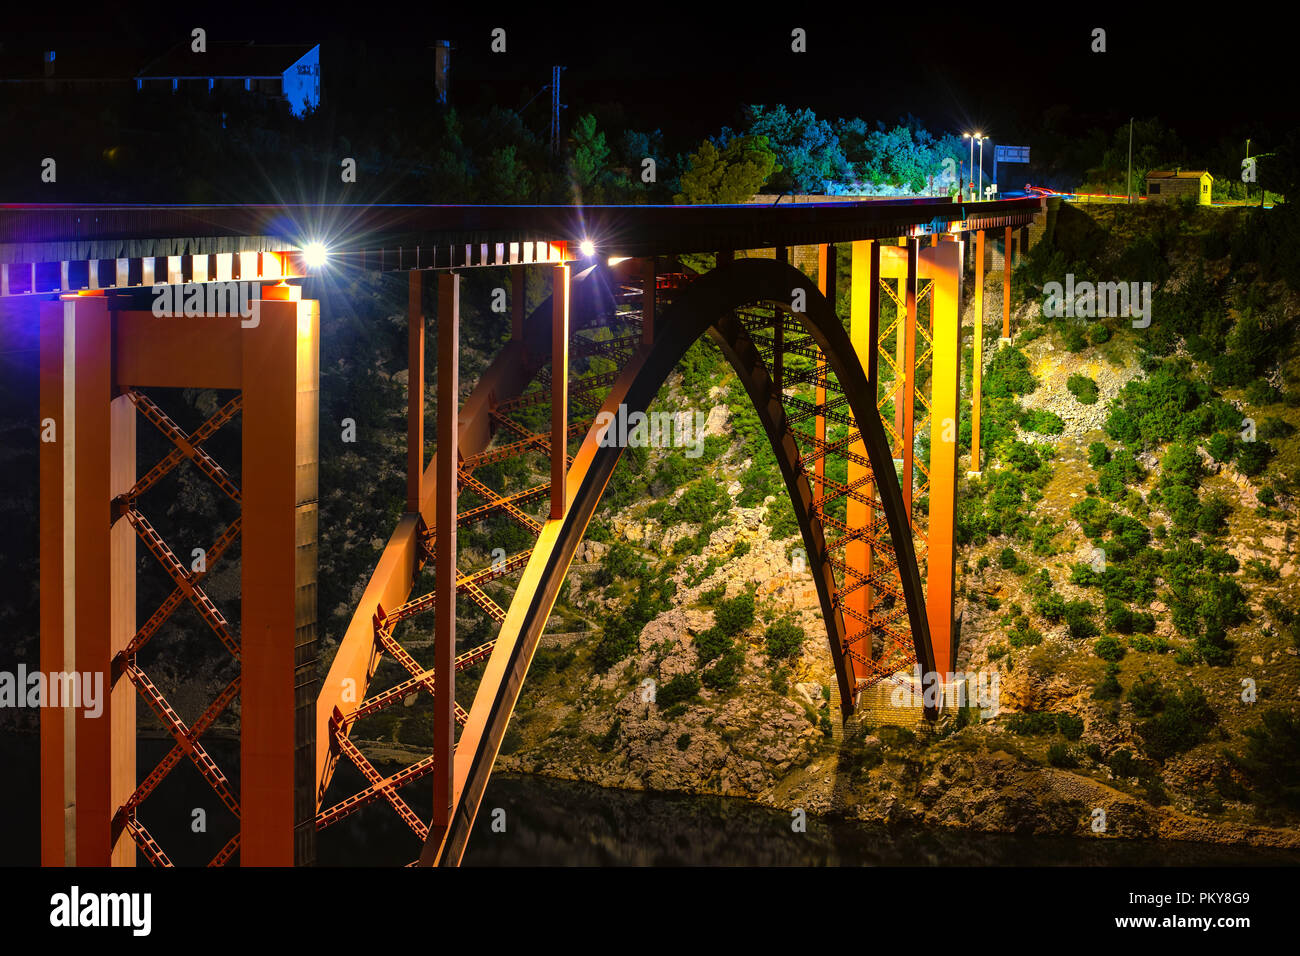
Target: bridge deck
[[88, 238]]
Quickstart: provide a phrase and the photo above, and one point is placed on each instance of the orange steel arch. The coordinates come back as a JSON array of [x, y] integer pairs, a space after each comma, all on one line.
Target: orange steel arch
[[709, 306]]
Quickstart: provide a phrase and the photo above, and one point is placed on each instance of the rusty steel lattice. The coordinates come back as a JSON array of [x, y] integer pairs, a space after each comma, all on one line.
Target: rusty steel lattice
[[868, 589], [513, 437], [186, 587], [895, 333]]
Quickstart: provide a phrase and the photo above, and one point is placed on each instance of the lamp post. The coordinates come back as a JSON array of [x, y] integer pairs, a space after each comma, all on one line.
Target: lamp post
[[971, 137], [982, 137], [1130, 160]]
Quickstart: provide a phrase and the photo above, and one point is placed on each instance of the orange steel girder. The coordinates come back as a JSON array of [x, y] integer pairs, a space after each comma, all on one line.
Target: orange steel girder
[[92, 360], [448, 462], [864, 330], [977, 370], [1006, 284], [941, 264]]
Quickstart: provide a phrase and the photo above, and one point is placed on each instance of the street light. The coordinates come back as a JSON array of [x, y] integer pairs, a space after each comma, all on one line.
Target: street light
[[973, 137]]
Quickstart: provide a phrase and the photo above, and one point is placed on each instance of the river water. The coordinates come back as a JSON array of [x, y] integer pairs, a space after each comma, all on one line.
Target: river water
[[538, 821]]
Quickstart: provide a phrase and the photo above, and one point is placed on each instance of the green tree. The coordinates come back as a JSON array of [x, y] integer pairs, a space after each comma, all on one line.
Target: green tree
[[732, 174], [589, 160], [806, 148]]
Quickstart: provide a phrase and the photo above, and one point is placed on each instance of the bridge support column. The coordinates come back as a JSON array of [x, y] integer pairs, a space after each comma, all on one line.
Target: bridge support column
[[518, 302], [559, 390], [826, 286], [648, 292], [778, 334], [87, 588], [280, 425], [446, 480], [977, 370], [415, 392], [945, 380], [900, 353], [778, 352], [909, 373], [1006, 284], [864, 333]]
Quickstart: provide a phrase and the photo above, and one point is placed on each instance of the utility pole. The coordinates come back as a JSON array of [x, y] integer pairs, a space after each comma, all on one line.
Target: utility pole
[[556, 106], [1247, 183], [1130, 160]]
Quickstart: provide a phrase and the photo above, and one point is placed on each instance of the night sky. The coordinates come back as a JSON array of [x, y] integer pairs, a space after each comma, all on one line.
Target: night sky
[[688, 70]]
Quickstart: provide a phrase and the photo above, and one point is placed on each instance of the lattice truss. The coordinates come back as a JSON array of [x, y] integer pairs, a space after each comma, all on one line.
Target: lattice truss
[[890, 350], [503, 500], [868, 586], [186, 590]]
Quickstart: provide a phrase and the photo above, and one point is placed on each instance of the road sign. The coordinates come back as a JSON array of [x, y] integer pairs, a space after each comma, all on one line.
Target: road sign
[[1011, 154]]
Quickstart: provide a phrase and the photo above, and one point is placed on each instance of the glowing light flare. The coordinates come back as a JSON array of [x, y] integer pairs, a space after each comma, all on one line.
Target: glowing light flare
[[587, 248], [314, 255]]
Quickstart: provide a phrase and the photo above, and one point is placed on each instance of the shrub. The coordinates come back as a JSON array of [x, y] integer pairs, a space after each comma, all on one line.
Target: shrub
[[1122, 764], [618, 638], [1272, 427], [725, 673], [1214, 511], [1078, 619], [1185, 722], [1260, 392], [1093, 516], [1098, 453], [735, 615], [606, 742], [1119, 616], [683, 742], [1007, 558], [1271, 760], [1070, 726], [699, 503], [1042, 421], [1031, 724], [679, 690], [1051, 606], [1253, 456], [1076, 340], [1008, 374], [1109, 648], [711, 644], [1156, 410], [1220, 446], [1108, 688], [713, 595], [1059, 755], [1022, 637], [784, 640]]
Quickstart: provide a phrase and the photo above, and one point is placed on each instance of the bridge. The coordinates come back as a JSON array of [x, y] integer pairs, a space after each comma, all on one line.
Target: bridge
[[843, 404]]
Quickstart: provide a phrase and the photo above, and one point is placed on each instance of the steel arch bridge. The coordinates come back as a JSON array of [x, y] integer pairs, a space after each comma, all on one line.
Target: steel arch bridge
[[876, 523]]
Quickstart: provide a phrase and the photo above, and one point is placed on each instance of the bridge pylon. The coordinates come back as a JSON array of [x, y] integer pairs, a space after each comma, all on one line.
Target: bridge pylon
[[101, 364]]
